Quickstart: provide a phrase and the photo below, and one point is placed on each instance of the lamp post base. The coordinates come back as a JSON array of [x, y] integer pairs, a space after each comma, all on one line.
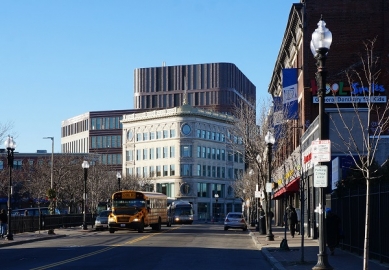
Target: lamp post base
[[270, 237], [322, 263], [9, 236], [284, 245], [84, 226]]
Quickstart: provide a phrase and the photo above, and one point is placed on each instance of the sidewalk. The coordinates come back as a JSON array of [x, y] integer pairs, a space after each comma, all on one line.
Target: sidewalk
[[28, 237], [298, 260]]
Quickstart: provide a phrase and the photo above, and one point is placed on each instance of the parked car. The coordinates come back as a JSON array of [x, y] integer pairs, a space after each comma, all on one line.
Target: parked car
[[235, 220], [101, 222]]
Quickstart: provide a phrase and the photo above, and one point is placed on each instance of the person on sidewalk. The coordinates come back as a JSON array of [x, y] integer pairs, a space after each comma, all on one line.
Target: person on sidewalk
[[333, 229], [293, 221], [3, 223]]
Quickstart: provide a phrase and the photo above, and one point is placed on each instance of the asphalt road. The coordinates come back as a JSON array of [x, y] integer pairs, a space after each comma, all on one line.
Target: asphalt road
[[197, 246]]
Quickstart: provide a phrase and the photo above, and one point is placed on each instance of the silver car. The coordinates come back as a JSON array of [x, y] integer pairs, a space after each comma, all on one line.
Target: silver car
[[101, 222], [235, 220]]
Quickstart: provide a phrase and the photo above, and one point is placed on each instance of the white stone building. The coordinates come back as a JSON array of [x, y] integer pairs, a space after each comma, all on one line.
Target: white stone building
[[187, 153]]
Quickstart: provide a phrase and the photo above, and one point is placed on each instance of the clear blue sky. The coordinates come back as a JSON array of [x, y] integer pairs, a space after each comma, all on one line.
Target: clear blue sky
[[62, 58]]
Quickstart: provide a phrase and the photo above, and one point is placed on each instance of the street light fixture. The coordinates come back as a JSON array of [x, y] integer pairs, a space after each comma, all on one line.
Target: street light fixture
[[118, 176], [85, 166], [51, 172], [270, 140], [10, 144], [320, 45]]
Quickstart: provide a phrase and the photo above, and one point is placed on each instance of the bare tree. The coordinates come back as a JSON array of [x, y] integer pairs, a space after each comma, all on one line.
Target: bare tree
[[359, 134]]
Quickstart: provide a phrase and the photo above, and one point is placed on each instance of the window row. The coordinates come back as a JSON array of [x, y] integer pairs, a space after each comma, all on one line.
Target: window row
[[185, 170], [185, 151], [110, 141], [153, 135], [106, 123]]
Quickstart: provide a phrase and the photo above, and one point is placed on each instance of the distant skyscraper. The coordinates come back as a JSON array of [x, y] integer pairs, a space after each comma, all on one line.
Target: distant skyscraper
[[214, 86]]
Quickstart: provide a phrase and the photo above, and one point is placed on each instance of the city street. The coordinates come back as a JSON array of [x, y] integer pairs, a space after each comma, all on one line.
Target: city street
[[198, 246]]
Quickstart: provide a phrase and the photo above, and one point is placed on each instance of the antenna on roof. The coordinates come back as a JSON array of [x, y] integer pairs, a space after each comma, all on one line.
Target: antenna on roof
[[163, 63]]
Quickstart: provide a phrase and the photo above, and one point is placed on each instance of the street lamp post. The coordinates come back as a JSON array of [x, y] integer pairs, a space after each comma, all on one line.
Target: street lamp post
[[10, 145], [85, 166], [118, 176], [216, 199], [269, 139], [51, 172], [320, 45]]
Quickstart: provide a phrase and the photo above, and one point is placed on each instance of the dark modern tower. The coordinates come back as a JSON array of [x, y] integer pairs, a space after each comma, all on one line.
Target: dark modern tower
[[214, 86]]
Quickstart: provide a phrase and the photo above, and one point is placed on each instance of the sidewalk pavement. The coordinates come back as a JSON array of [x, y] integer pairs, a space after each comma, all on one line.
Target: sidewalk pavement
[[42, 235], [295, 259]]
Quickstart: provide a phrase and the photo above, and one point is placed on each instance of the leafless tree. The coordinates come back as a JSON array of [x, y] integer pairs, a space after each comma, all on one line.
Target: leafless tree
[[359, 134]]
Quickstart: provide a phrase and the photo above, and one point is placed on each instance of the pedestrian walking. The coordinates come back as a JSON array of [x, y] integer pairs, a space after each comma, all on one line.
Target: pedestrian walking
[[3, 223], [292, 221], [333, 230]]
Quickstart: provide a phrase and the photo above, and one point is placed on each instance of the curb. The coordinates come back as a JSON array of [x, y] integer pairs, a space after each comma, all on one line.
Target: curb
[[13, 242]]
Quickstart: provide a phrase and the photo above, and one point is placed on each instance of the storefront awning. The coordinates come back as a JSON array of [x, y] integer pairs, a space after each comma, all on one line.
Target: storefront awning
[[290, 188]]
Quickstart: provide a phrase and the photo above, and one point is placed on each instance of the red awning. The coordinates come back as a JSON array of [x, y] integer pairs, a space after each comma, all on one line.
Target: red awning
[[290, 188]]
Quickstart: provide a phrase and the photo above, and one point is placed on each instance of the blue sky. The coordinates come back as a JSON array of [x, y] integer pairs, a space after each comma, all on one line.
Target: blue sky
[[63, 58]]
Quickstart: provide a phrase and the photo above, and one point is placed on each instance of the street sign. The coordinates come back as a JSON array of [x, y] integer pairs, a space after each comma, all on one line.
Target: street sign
[[321, 151], [320, 176], [269, 187], [257, 194]]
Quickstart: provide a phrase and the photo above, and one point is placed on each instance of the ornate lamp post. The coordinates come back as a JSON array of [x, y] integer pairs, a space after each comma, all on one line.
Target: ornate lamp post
[[10, 145], [269, 139], [118, 176], [320, 44], [85, 166]]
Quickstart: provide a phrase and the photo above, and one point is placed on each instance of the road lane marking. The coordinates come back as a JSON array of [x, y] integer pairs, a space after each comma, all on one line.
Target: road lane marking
[[100, 251]]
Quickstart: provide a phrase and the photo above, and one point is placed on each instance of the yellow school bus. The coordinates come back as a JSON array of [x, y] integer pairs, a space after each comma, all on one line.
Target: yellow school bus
[[135, 210]]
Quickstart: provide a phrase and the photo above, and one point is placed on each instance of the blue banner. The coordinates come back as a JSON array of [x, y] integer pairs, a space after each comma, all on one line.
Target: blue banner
[[289, 93]]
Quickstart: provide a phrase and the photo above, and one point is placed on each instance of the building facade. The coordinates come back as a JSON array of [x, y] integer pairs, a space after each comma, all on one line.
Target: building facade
[[351, 23], [213, 86], [187, 153], [97, 132]]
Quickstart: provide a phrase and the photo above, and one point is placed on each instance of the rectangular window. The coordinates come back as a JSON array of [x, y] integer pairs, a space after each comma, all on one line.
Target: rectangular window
[[159, 152], [186, 151], [145, 154], [223, 153], [172, 151], [222, 137], [236, 157], [223, 172], [186, 170], [145, 136], [151, 153], [198, 170], [213, 136], [172, 133], [218, 154], [165, 170], [209, 171], [217, 136], [144, 172], [202, 190], [203, 152], [152, 171], [152, 135], [158, 170], [172, 170], [208, 135], [165, 152], [199, 151], [209, 152], [204, 170], [203, 134], [198, 133], [213, 171], [130, 155], [138, 154], [138, 171], [218, 172], [159, 135], [230, 156], [166, 134], [213, 153], [138, 137], [240, 158]]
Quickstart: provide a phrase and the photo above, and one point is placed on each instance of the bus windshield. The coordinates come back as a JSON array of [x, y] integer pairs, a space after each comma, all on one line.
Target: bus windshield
[[129, 203]]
